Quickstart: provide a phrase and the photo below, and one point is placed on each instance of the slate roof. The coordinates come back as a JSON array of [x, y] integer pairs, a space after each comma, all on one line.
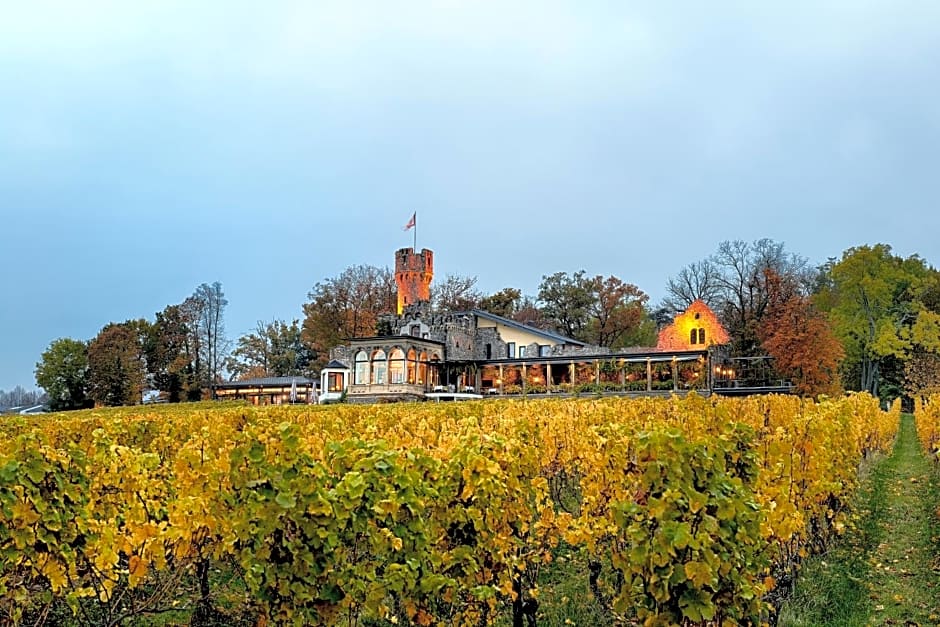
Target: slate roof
[[337, 364]]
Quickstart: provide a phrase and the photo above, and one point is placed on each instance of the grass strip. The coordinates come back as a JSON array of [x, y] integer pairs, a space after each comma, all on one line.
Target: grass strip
[[886, 569]]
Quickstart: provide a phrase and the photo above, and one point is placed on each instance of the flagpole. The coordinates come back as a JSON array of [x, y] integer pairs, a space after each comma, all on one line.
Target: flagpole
[[416, 234]]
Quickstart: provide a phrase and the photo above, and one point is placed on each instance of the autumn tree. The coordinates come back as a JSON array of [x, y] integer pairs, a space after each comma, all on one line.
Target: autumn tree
[[207, 306], [871, 296], [171, 350], [617, 311], [455, 293], [696, 281], [62, 372], [598, 310], [528, 312], [744, 269], [116, 364], [186, 345], [922, 366], [566, 301], [800, 339], [509, 302], [346, 306], [273, 349], [732, 282], [505, 302]]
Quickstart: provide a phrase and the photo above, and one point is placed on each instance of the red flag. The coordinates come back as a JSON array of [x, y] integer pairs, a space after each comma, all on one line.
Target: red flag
[[411, 222]]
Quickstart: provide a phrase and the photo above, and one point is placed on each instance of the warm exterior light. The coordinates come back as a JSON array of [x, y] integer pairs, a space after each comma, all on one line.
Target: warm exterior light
[[695, 329]]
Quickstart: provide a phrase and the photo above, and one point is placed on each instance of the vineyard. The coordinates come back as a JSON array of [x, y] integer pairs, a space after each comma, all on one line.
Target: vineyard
[[682, 511]]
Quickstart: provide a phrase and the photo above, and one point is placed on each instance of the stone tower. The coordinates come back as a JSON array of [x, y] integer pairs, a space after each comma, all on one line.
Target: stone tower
[[413, 273]]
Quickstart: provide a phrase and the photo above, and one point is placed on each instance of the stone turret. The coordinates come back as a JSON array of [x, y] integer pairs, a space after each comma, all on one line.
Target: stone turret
[[413, 274]]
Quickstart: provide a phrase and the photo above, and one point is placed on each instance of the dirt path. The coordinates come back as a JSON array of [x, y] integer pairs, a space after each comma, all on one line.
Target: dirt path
[[886, 570]]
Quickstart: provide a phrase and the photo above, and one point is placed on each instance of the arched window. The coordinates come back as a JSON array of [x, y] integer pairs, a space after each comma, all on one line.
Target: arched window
[[693, 336], [362, 368], [412, 366], [379, 367], [701, 336], [396, 366]]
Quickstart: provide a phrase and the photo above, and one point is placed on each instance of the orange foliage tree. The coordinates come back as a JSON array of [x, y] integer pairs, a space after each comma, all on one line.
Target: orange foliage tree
[[801, 341]]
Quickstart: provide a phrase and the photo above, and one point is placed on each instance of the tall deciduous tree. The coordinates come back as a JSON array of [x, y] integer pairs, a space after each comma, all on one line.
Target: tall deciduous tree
[[871, 297], [505, 302], [455, 293], [62, 372], [743, 271], [800, 339], [732, 282], [566, 301], [922, 367], [617, 312], [696, 281], [274, 349], [598, 310], [171, 349], [209, 304], [346, 306], [116, 364]]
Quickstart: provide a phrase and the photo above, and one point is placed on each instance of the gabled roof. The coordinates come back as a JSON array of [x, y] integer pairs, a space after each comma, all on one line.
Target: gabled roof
[[550, 335], [336, 365]]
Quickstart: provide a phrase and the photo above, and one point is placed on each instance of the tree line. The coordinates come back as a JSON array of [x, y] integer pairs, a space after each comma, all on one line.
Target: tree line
[[869, 320], [180, 353], [20, 397]]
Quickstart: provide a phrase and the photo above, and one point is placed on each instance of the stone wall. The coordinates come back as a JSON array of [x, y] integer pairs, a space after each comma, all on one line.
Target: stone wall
[[491, 337]]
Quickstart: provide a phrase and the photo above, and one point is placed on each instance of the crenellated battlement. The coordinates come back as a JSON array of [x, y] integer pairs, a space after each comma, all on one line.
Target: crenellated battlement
[[413, 274]]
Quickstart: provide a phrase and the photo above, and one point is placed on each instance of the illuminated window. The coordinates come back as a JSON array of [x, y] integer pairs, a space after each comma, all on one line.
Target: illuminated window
[[362, 368], [396, 366], [334, 381]]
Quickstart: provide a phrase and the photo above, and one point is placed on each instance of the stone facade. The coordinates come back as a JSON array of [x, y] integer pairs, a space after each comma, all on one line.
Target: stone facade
[[456, 331], [488, 338], [413, 274]]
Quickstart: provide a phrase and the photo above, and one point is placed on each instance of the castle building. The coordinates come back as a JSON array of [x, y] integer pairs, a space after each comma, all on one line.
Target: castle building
[[431, 354], [413, 274]]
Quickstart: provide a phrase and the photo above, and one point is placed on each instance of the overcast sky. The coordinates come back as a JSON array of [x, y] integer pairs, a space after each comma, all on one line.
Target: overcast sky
[[148, 147]]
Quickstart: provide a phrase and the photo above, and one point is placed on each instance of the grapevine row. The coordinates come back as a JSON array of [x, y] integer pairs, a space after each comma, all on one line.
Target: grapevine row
[[430, 514]]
